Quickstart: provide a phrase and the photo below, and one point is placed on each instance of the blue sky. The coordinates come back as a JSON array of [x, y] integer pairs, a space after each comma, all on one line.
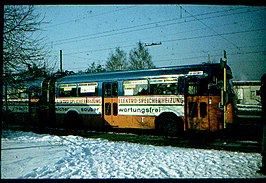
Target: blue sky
[[188, 33]]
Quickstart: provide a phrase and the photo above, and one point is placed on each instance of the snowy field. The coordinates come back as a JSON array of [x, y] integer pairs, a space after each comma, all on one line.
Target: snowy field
[[26, 155]]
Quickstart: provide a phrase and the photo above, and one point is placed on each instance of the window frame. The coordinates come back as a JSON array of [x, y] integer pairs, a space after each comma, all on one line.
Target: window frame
[[134, 84], [66, 87], [164, 83], [89, 86]]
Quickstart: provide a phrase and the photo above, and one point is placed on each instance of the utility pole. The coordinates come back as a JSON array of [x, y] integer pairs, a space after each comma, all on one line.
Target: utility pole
[[61, 61]]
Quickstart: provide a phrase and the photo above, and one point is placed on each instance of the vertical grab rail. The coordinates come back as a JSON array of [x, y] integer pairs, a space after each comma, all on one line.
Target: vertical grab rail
[[224, 89]]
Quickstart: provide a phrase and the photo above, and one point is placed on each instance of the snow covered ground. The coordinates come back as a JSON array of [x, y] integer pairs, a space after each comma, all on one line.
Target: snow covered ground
[[29, 155]]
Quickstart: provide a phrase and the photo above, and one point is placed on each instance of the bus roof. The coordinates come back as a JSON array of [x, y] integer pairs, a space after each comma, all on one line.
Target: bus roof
[[209, 68]]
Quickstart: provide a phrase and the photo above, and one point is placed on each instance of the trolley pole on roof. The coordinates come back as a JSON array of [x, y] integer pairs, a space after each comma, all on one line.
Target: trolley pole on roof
[[61, 61]]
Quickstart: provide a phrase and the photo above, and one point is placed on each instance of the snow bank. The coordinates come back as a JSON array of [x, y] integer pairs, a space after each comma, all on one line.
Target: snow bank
[[78, 157]]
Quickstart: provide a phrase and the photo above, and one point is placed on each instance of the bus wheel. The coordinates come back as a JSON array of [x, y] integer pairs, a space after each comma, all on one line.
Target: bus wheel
[[73, 120], [171, 125]]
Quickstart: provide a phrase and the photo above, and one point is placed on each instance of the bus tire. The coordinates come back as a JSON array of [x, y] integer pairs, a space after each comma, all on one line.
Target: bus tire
[[73, 121], [169, 124]]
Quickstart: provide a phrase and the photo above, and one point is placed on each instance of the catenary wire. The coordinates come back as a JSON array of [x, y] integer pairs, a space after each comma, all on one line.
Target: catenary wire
[[69, 40]]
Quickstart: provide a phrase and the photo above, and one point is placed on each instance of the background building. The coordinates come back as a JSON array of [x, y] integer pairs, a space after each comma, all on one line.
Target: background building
[[249, 99]]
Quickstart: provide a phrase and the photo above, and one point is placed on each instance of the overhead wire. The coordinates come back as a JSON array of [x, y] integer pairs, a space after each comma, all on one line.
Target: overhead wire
[[203, 56], [68, 40], [184, 31], [170, 40], [96, 50], [76, 20], [213, 35], [242, 52], [210, 28], [214, 50], [179, 39]]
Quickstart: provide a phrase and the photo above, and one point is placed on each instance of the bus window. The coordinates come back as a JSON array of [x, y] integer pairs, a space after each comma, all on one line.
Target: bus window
[[214, 89], [23, 95], [114, 89], [17, 93], [87, 89], [164, 86], [192, 88], [213, 86], [35, 92], [198, 86], [108, 108], [67, 90], [203, 109], [135, 87], [115, 109], [110, 89]]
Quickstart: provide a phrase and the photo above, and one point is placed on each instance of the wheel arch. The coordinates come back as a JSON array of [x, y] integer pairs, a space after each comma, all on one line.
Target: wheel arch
[[72, 111], [159, 119], [73, 119]]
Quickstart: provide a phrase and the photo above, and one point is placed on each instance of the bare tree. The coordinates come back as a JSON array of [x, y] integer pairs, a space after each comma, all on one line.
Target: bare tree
[[22, 45], [140, 58], [117, 60]]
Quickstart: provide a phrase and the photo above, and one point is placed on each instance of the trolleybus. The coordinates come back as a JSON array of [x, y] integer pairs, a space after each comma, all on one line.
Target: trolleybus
[[171, 100]]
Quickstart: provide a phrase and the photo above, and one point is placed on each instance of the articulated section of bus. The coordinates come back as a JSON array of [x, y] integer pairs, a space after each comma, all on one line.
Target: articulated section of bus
[[23, 103], [171, 101]]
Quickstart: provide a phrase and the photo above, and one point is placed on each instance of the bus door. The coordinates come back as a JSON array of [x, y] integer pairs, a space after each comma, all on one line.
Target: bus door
[[197, 103], [34, 105], [110, 103], [47, 102]]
